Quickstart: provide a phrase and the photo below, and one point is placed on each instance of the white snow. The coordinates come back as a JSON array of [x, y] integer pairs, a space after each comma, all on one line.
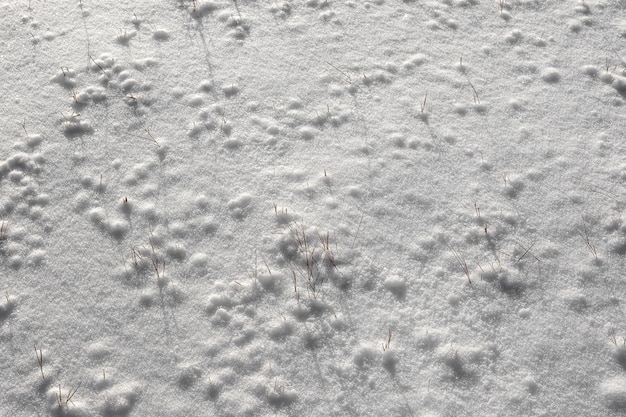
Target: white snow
[[313, 207]]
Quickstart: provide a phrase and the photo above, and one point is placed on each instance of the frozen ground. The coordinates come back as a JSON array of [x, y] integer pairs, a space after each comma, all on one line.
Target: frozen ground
[[325, 208]]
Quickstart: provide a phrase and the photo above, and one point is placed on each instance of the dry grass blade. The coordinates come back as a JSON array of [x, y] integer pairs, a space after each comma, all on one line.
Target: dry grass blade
[[71, 394], [527, 252], [328, 252], [358, 229], [387, 345], [590, 246], [3, 231], [462, 263], [348, 78], [39, 355], [476, 98]]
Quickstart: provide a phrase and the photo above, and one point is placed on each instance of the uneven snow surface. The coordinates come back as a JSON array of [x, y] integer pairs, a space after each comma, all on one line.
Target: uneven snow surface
[[313, 208]]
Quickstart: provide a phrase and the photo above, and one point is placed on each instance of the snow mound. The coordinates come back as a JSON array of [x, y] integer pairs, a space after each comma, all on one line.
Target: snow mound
[[613, 392]]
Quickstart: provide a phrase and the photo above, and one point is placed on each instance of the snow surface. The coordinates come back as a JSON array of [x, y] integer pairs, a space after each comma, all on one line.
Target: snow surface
[[312, 207]]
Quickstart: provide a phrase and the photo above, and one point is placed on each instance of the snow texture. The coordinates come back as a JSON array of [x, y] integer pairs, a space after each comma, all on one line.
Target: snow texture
[[313, 207]]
